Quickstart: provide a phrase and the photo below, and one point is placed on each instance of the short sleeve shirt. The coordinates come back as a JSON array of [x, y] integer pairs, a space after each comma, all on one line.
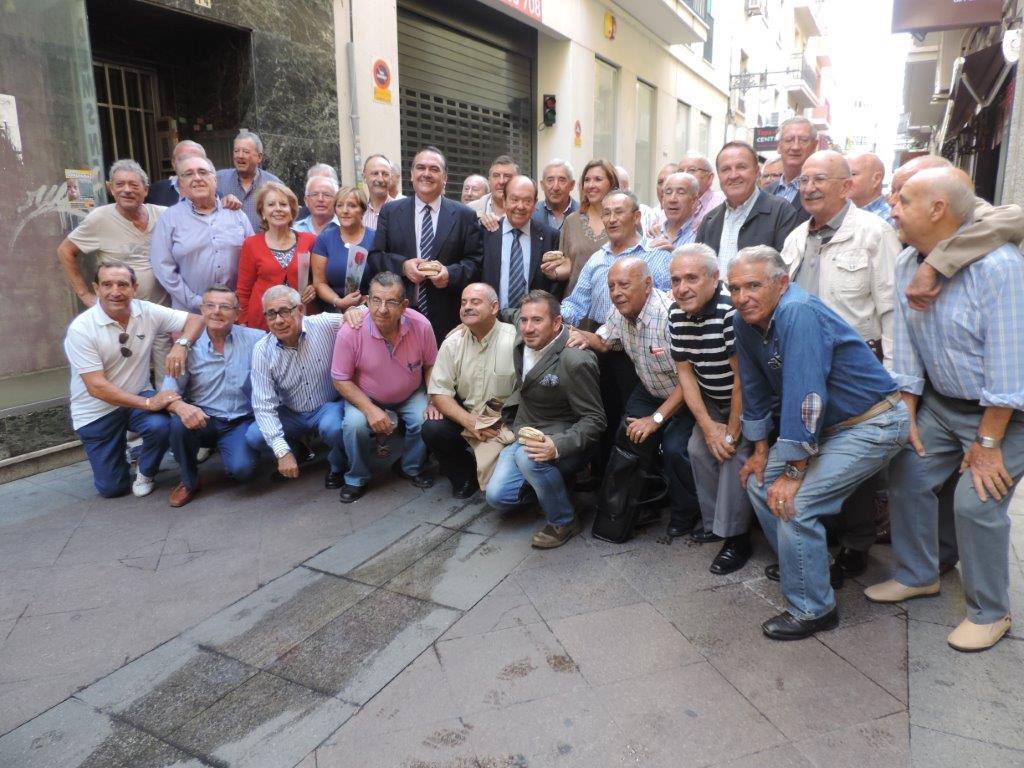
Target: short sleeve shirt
[[705, 340], [476, 371], [92, 345], [110, 235]]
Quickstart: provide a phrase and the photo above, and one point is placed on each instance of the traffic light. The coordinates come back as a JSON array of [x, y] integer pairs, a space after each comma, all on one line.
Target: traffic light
[[550, 103]]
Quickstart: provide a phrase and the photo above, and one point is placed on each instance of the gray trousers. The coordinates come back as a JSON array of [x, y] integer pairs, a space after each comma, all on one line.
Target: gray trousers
[[947, 428], [724, 505]]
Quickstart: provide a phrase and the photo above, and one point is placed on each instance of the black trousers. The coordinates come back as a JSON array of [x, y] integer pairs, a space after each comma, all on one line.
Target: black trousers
[[454, 456]]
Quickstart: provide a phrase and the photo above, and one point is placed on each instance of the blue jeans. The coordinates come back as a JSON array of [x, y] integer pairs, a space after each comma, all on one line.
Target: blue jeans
[[845, 460], [359, 438], [228, 436], [325, 421], [104, 441], [514, 468]]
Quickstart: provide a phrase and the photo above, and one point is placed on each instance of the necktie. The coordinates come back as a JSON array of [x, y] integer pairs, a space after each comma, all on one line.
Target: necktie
[[426, 241], [516, 281]]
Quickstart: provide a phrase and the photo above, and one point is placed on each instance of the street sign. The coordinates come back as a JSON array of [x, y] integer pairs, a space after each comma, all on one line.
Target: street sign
[[765, 138]]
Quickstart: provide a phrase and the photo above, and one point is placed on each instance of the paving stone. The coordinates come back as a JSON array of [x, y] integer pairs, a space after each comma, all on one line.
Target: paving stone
[[569, 588], [785, 756], [691, 711], [461, 570], [949, 606], [24, 546], [503, 607], [167, 687], [785, 681], [358, 653], [22, 700], [575, 551], [309, 761], [381, 551], [885, 741], [966, 694], [877, 648], [620, 643], [74, 735], [507, 667], [491, 522], [934, 749], [716, 620], [266, 624], [267, 721]]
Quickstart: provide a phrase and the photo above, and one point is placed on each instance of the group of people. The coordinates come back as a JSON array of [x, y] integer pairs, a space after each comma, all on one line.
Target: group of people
[[783, 345]]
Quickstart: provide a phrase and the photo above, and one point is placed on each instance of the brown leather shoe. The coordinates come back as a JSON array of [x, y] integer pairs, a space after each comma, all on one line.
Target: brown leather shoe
[[552, 536], [181, 495]]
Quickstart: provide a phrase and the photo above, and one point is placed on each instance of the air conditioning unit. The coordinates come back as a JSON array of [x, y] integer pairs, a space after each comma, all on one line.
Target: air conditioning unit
[[755, 7]]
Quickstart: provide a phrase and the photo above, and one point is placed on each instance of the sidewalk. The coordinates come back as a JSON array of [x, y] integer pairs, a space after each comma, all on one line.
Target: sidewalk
[[272, 626]]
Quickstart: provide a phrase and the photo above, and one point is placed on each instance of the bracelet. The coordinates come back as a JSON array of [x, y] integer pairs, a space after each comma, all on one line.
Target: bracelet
[[147, 403]]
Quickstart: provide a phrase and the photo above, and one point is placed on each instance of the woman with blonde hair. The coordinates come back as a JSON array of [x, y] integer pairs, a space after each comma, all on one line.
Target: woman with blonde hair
[[339, 255]]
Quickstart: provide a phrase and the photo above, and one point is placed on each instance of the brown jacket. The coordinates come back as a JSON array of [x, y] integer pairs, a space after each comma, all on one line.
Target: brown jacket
[[991, 228]]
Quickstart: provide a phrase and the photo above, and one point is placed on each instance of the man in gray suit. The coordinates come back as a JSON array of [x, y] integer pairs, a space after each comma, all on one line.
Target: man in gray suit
[[557, 395]]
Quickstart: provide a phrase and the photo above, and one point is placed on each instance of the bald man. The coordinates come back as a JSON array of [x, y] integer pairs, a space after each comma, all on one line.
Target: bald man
[[959, 366], [845, 256], [868, 173]]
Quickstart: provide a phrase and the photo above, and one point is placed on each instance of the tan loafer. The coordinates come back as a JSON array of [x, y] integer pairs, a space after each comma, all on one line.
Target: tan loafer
[[892, 591], [181, 495], [552, 536], [970, 637]]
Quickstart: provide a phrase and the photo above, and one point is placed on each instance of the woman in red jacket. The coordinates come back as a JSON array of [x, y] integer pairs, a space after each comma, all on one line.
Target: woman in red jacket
[[272, 257]]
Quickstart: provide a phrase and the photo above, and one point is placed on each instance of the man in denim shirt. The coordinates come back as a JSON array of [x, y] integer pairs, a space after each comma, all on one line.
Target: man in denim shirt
[[809, 376]]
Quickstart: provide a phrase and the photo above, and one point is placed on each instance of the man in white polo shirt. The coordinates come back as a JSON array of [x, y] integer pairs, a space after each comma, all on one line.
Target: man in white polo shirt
[[109, 347]]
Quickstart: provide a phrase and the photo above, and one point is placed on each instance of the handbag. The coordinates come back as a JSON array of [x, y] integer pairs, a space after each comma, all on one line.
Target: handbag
[[626, 491]]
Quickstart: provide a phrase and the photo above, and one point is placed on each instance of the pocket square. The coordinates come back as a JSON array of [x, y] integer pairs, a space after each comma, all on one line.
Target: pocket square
[[549, 380]]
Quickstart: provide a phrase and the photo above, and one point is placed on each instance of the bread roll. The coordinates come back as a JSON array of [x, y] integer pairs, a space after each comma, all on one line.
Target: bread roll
[[530, 434]]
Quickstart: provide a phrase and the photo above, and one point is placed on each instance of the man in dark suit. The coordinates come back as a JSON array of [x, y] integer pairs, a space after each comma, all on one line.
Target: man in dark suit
[[749, 216], [557, 394], [798, 140], [513, 252], [433, 242]]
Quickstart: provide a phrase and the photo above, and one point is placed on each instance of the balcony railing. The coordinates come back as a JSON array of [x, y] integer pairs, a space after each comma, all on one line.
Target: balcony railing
[[699, 7], [805, 71]]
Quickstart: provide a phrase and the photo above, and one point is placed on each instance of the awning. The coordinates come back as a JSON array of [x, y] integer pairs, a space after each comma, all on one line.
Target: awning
[[981, 77]]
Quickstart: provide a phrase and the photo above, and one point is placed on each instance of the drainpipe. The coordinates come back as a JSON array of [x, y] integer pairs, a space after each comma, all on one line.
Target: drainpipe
[[353, 101]]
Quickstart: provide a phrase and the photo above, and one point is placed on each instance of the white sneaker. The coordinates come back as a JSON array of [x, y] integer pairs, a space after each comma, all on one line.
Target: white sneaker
[[203, 454], [143, 486]]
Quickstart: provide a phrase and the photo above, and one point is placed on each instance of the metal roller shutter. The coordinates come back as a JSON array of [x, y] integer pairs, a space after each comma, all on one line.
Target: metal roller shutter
[[469, 97]]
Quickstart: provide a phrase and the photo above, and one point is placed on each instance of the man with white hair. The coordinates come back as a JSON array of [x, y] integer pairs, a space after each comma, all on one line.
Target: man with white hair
[[293, 396], [244, 180], [708, 197], [678, 195], [473, 188], [319, 199], [798, 140], [959, 365], [557, 180], [377, 178], [868, 173]]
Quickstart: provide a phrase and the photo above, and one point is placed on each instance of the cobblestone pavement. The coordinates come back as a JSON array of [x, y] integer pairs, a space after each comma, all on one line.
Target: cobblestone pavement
[[272, 626]]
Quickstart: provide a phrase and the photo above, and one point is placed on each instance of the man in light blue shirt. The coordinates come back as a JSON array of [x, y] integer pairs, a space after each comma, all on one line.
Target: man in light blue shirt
[[197, 243], [244, 180], [868, 173], [960, 365], [214, 410]]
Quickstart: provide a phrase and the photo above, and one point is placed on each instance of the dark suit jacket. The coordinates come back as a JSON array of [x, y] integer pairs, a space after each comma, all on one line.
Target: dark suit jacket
[[769, 223], [561, 397], [162, 193], [798, 205], [456, 245], [542, 240]]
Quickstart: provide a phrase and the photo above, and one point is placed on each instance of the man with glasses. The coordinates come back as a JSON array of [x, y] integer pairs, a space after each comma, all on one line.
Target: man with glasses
[[292, 393], [846, 256], [708, 198], [319, 204], [771, 172], [109, 348], [215, 411], [382, 369], [197, 243], [679, 193], [798, 140]]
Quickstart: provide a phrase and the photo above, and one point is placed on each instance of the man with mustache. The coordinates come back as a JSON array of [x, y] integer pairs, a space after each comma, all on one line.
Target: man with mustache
[[377, 179], [845, 256]]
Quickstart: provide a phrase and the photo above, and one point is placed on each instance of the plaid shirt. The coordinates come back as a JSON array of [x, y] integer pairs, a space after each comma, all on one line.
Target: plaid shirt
[[647, 342]]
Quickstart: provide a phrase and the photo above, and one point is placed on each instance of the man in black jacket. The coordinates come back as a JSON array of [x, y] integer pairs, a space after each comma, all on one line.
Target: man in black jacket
[[433, 242], [749, 216], [513, 252]]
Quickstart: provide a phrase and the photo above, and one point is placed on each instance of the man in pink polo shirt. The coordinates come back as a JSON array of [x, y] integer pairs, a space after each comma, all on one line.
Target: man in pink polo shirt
[[379, 367]]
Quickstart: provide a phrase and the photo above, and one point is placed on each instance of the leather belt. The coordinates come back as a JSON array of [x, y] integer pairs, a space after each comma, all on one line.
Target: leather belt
[[890, 401]]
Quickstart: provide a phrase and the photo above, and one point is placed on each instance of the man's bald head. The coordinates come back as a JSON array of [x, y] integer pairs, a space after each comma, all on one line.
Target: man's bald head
[[631, 265], [911, 167], [948, 185], [827, 185], [932, 205], [831, 160], [868, 173], [629, 285]]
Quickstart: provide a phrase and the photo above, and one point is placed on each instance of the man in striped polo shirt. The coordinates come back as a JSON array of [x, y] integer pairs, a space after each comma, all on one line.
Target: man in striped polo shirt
[[654, 413], [702, 346]]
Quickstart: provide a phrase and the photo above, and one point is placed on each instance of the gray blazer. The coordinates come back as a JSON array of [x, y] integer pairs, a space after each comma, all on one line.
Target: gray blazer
[[560, 396]]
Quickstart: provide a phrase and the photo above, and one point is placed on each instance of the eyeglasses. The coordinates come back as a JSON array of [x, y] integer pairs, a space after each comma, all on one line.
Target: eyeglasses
[[122, 339], [818, 179], [320, 195], [694, 171], [211, 307], [197, 172], [376, 302], [801, 140], [284, 313]]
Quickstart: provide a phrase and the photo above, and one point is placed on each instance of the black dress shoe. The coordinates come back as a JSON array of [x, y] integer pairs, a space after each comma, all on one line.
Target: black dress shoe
[[786, 626], [334, 480], [852, 561], [464, 490], [835, 574], [704, 536], [732, 556], [422, 480], [350, 493], [677, 528]]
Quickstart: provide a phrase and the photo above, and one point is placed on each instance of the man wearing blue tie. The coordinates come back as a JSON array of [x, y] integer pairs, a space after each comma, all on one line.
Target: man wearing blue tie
[[433, 242]]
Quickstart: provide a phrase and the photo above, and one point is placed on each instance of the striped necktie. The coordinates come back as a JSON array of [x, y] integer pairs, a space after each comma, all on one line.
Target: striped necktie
[[426, 243], [516, 280]]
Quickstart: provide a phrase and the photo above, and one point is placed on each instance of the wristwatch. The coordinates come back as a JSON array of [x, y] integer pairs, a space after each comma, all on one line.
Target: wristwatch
[[988, 442], [183, 342], [729, 440], [657, 418], [794, 473]]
